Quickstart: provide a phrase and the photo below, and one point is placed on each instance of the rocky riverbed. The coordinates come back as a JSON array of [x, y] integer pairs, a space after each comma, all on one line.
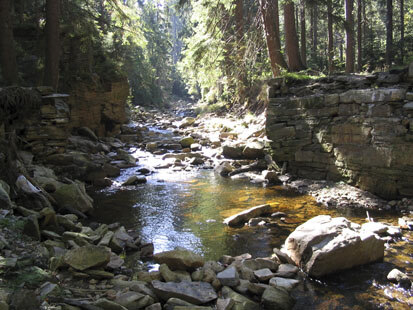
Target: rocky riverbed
[[53, 257]]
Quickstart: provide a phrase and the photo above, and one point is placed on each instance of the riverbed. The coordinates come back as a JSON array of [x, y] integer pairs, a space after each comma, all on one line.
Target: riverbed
[[186, 207]]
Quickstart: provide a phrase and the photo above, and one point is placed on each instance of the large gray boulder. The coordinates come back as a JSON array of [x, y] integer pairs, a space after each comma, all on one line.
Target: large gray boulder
[[180, 259], [197, 293], [277, 298], [325, 245], [5, 201]]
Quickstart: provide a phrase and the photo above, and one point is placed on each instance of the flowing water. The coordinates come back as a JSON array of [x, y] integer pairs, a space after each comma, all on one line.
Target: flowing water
[[186, 208]]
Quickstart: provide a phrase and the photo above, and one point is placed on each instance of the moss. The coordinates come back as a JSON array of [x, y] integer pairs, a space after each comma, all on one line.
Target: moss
[[33, 276]]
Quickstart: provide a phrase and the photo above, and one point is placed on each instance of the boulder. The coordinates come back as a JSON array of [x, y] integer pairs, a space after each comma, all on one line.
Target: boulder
[[134, 180], [73, 196], [197, 293], [396, 276], [88, 133], [411, 71], [253, 150], [324, 245], [277, 298], [286, 271], [224, 169], [108, 305], [287, 284], [232, 151], [173, 276], [187, 121], [86, 257], [240, 301], [187, 141], [229, 277], [244, 216], [180, 259], [31, 227], [5, 202], [263, 275]]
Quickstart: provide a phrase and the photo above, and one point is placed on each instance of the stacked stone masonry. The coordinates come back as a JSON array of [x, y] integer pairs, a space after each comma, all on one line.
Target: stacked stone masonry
[[361, 135]]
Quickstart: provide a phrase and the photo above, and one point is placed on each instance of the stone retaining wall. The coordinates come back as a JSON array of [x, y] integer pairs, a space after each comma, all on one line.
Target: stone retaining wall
[[363, 136]]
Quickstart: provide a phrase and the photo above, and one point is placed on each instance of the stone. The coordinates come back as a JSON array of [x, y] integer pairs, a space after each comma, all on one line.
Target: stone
[[105, 304], [132, 300], [187, 141], [277, 298], [48, 289], [99, 274], [324, 245], [263, 275], [286, 271], [375, 228], [106, 239], [240, 301], [3, 305], [156, 306], [411, 70], [87, 257], [88, 133], [261, 263], [224, 304], [180, 259], [287, 284], [194, 292], [229, 277], [31, 227], [5, 202], [224, 169], [24, 299], [271, 177], [232, 151], [73, 196], [243, 217], [115, 262], [396, 276], [187, 121], [134, 180], [257, 288], [151, 146], [253, 150], [173, 276]]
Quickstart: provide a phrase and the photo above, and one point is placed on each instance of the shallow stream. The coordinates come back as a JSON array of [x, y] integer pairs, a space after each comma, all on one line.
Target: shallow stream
[[186, 208]]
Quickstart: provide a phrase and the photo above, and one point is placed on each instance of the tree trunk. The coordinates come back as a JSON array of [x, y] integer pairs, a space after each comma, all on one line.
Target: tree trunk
[[315, 29], [269, 12], [241, 76], [401, 31], [389, 33], [51, 71], [349, 36], [303, 35], [7, 53], [330, 47], [359, 36], [291, 39]]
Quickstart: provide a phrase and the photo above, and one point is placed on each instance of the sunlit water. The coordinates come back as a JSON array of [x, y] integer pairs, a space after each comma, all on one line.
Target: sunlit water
[[181, 208]]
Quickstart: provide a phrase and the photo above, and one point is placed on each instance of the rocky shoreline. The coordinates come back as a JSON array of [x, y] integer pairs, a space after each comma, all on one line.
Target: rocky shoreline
[[51, 259]]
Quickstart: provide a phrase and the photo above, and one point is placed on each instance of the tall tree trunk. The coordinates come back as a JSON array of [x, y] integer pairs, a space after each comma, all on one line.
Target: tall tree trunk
[[349, 36], [291, 39], [241, 75], [303, 35], [401, 31], [269, 12], [330, 47], [51, 71], [315, 29], [7, 53], [389, 33], [359, 36]]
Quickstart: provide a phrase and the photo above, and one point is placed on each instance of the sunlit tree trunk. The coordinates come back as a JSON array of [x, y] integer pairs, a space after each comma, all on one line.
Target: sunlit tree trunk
[[303, 38], [51, 71], [241, 75], [7, 53], [389, 33], [269, 12], [349, 36], [359, 36], [291, 39], [401, 31], [330, 47]]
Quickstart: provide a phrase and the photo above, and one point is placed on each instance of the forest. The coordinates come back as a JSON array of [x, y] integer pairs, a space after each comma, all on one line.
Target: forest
[[206, 154], [218, 51]]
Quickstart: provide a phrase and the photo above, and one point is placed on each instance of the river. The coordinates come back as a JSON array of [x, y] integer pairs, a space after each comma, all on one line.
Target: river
[[186, 208]]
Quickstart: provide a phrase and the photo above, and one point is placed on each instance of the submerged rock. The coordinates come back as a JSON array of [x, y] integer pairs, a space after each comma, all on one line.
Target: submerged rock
[[324, 245]]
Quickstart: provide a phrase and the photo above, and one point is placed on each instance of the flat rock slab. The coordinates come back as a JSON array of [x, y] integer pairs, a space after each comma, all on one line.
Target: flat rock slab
[[229, 277], [180, 259], [197, 293], [87, 257], [244, 216]]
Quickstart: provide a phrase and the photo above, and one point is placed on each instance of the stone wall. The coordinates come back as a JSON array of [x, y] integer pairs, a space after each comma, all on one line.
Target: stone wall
[[346, 128], [103, 111]]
